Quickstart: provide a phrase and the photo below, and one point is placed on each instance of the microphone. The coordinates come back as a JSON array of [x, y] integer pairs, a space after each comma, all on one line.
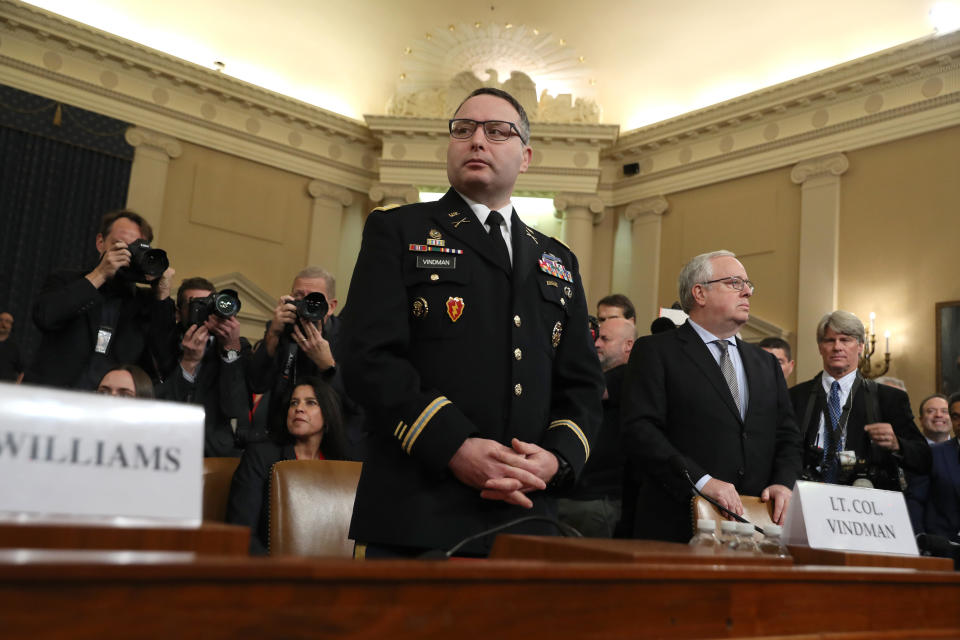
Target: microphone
[[439, 554], [677, 463]]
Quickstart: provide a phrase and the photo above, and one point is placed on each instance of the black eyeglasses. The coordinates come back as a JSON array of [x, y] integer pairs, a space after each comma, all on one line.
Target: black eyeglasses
[[736, 283], [494, 130]]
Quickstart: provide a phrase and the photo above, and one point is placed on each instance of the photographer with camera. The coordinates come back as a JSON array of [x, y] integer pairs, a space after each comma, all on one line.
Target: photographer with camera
[[301, 341], [855, 430], [212, 357], [93, 319]]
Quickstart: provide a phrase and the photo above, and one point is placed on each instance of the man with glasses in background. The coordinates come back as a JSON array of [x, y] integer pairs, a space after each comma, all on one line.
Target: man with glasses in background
[[701, 407], [468, 348]]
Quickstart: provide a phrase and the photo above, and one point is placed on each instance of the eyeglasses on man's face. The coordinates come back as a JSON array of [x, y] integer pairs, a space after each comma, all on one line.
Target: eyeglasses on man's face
[[494, 130], [734, 282]]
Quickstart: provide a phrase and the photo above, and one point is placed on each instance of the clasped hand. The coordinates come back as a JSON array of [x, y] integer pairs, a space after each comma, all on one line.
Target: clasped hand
[[501, 472]]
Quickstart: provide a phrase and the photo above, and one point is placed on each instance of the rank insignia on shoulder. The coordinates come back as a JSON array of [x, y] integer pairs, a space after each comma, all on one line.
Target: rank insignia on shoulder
[[386, 207], [551, 264], [555, 337], [454, 308], [420, 308]]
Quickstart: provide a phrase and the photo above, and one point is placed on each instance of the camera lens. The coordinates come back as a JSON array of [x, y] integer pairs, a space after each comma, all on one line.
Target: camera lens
[[226, 303], [154, 262]]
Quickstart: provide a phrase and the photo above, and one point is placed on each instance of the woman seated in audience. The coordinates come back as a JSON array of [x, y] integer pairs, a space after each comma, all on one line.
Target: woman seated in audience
[[126, 380], [314, 431]]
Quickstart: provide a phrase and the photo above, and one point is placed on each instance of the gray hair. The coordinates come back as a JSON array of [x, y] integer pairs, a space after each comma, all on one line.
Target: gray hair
[[323, 274], [841, 322], [698, 270]]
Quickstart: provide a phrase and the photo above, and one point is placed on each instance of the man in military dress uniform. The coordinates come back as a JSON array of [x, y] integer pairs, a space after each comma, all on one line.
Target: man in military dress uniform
[[467, 342]]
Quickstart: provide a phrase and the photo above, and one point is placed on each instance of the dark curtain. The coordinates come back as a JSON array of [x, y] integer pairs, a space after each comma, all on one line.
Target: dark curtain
[[61, 169]]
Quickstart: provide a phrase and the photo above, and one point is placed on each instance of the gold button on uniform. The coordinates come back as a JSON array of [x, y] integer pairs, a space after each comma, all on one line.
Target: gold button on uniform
[[434, 277], [516, 321], [517, 354], [517, 389]]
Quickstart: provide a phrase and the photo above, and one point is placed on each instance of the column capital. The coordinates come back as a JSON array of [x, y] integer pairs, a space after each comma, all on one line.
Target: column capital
[[565, 203], [322, 189], [653, 206], [141, 137], [833, 164], [393, 193]]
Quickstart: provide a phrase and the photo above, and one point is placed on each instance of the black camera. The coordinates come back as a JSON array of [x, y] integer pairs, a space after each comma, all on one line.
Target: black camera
[[852, 470], [312, 307], [144, 262], [223, 304]]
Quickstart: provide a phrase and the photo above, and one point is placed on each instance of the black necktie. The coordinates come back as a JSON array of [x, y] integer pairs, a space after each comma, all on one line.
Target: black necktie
[[494, 220]]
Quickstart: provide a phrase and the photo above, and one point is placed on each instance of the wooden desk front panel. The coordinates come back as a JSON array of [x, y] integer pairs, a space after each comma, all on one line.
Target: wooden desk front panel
[[221, 598]]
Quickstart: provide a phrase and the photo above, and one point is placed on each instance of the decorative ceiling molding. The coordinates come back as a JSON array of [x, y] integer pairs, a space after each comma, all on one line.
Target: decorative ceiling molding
[[46, 54], [905, 91]]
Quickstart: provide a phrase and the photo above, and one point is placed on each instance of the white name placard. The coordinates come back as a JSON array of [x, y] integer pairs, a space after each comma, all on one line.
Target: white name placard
[[842, 518], [69, 455]]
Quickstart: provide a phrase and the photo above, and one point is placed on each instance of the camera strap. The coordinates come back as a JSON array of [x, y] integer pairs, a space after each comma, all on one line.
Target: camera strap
[[818, 394]]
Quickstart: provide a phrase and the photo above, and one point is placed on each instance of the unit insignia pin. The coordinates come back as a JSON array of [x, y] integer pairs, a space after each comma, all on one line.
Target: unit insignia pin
[[555, 337], [567, 291], [454, 308]]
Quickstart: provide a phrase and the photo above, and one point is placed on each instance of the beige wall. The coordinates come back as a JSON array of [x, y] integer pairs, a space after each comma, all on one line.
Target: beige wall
[[758, 218], [222, 214], [899, 239]]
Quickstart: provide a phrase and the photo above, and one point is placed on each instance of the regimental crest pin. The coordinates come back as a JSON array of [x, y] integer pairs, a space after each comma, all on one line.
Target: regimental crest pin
[[454, 308], [567, 291], [420, 308], [555, 337]]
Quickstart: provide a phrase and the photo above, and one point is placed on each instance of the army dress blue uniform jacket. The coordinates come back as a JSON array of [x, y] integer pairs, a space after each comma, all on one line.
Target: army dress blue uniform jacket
[[440, 346]]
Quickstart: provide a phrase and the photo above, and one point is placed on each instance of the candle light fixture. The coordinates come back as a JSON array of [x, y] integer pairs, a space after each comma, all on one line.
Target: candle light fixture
[[869, 347]]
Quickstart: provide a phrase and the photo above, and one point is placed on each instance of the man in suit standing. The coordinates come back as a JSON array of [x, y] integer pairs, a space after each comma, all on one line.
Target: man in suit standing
[[842, 412], [466, 342], [701, 406]]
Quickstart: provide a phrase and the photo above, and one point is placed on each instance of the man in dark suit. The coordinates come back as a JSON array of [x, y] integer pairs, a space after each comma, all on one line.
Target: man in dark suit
[[704, 407], [91, 320], [465, 339], [844, 417], [212, 356], [934, 500]]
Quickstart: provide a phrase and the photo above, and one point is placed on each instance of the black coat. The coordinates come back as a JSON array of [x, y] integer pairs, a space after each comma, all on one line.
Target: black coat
[[249, 501], [222, 390], [678, 411], [68, 313], [894, 407], [518, 362], [934, 500]]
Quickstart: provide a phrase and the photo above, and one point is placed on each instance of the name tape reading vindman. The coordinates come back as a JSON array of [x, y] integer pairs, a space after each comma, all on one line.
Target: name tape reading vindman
[[69, 456], [830, 516]]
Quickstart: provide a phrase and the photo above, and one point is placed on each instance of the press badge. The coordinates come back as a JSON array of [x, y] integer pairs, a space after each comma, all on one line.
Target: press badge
[[104, 335]]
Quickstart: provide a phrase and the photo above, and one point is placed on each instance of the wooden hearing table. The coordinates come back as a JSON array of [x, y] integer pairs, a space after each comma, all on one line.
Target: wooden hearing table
[[663, 591]]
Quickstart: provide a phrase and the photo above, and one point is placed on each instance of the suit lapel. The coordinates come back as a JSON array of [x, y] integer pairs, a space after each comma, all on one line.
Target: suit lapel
[[700, 354], [459, 221], [753, 369]]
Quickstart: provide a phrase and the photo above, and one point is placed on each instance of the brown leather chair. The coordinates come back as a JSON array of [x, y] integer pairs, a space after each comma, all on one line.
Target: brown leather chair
[[759, 513], [311, 503], [217, 474]]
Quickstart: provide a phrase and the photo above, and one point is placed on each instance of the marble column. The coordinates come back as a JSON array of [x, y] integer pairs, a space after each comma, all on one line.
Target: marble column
[[383, 194], [645, 217], [819, 180], [148, 174], [579, 212], [326, 222]]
